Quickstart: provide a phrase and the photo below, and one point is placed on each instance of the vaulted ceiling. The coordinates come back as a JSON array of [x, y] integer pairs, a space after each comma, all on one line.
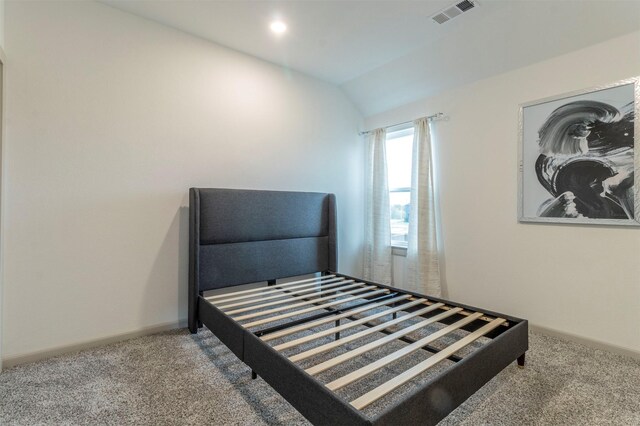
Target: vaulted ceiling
[[387, 53]]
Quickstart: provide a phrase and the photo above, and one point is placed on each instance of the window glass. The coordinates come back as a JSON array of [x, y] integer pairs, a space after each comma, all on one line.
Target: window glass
[[399, 149]]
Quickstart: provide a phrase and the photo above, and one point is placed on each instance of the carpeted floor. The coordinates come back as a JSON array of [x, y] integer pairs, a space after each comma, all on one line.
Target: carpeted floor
[[177, 378]]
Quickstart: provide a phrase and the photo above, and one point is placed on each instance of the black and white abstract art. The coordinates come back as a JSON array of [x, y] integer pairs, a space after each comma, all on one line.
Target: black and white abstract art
[[578, 159]]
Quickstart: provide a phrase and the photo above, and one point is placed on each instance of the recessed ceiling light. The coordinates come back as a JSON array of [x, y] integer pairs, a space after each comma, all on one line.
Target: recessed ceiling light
[[278, 27]]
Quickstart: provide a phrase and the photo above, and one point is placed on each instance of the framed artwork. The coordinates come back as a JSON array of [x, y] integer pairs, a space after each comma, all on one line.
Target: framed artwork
[[578, 157]]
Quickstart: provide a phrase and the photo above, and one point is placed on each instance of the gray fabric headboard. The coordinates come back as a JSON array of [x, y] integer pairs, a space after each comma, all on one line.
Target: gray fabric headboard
[[244, 236]]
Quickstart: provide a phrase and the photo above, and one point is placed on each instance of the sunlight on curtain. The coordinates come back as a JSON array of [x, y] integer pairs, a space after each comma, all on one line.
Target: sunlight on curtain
[[377, 255], [422, 264]]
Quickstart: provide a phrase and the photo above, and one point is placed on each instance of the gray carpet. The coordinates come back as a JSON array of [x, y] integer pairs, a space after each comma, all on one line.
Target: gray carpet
[[177, 378]]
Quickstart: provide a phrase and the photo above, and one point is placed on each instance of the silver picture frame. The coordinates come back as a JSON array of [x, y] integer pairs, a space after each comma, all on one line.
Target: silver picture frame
[[577, 161]]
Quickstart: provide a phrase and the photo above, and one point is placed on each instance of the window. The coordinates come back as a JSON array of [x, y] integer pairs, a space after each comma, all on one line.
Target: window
[[399, 147]]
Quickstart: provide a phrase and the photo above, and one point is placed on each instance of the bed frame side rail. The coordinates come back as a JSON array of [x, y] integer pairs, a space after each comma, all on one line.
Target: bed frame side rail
[[309, 396], [440, 396]]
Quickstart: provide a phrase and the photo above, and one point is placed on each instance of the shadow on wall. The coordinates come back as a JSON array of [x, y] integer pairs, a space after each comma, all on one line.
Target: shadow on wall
[[444, 287], [166, 289], [183, 262]]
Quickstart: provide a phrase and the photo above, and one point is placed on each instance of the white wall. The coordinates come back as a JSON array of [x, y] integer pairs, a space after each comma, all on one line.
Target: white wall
[[111, 119], [2, 57], [583, 280], [2, 2]]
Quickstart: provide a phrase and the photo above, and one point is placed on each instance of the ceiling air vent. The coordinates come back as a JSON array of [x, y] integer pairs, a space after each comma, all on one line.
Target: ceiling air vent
[[440, 18], [465, 5], [453, 11]]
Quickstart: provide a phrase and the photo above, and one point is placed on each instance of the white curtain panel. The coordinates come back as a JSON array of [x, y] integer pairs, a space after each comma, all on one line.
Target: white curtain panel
[[377, 257], [422, 263]]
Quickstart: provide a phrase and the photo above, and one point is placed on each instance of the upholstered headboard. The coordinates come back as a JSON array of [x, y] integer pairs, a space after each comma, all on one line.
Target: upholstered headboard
[[244, 236]]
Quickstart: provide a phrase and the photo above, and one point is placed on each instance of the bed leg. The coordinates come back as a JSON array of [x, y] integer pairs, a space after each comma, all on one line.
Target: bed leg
[[253, 375], [271, 282], [521, 360], [192, 315], [338, 333], [198, 322]]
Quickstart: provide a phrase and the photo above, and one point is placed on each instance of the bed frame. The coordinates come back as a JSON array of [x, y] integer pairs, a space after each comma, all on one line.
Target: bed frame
[[241, 236]]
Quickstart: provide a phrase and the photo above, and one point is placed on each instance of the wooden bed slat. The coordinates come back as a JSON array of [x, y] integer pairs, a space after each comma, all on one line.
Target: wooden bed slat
[[352, 337], [343, 327], [321, 321], [395, 356], [277, 288], [305, 303], [409, 374], [285, 292], [375, 344], [293, 296], [279, 291], [313, 308], [467, 313]]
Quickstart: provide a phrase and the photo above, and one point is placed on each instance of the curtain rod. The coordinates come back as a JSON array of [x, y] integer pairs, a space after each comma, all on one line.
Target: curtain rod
[[429, 117]]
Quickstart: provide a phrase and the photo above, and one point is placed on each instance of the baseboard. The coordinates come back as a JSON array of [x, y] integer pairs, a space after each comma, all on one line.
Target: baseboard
[[585, 341], [12, 361]]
